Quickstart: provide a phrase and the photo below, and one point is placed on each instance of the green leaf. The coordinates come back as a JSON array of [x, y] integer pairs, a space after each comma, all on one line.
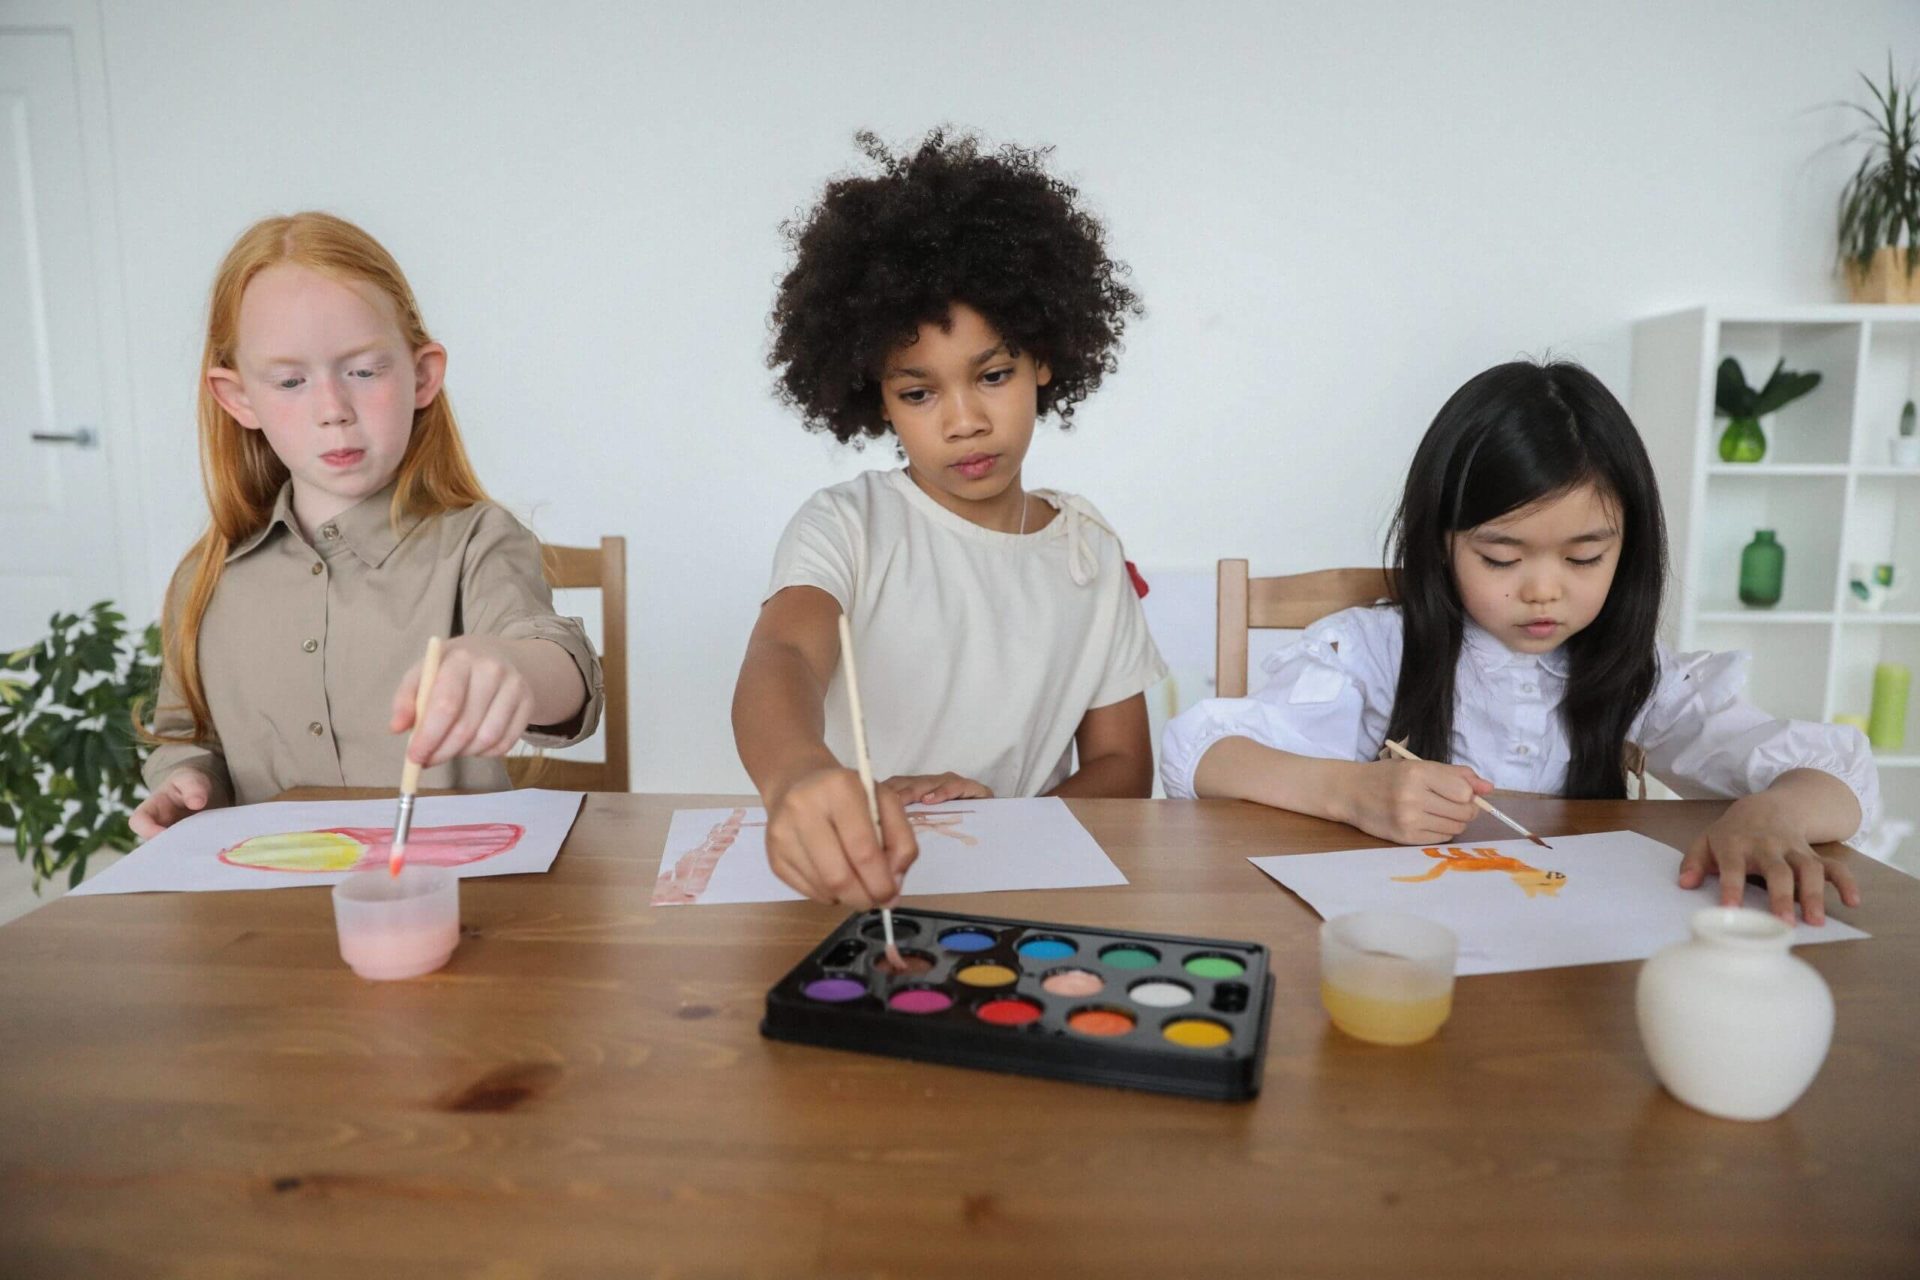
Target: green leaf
[[1732, 396], [1783, 389]]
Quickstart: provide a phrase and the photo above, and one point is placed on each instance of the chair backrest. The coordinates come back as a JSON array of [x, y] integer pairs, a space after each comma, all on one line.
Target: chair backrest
[[1285, 604], [603, 567]]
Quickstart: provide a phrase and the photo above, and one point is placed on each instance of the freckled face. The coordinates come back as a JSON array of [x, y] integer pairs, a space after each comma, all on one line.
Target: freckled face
[[323, 370]]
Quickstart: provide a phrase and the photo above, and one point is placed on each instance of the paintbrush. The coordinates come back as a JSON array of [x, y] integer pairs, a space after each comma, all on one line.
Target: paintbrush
[[894, 959], [410, 775], [1400, 750]]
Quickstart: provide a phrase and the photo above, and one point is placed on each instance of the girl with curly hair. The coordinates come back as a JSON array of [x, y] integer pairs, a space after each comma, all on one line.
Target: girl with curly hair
[[948, 301]]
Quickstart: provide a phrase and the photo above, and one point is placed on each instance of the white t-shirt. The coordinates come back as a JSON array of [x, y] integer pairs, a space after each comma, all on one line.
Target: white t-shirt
[[979, 652], [1330, 695]]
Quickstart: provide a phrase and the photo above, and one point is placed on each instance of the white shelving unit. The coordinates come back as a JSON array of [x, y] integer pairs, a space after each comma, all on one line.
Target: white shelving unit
[[1827, 486]]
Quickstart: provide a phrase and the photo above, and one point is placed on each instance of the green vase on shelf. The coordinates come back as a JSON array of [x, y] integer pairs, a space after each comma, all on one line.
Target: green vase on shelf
[[1763, 565], [1742, 441], [1743, 407]]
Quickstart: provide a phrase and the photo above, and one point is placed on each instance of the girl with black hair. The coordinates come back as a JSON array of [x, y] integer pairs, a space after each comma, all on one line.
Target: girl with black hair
[[1527, 562], [944, 304]]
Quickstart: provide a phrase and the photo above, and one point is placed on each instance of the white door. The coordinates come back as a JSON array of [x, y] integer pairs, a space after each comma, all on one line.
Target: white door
[[57, 540]]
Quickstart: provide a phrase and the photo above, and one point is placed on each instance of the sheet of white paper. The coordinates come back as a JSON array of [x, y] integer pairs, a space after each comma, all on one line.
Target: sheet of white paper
[[308, 842], [1588, 900], [968, 846]]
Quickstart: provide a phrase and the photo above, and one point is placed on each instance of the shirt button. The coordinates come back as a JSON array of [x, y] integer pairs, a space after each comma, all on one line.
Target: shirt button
[[317, 567], [311, 645], [315, 729], [1523, 750], [329, 530], [1525, 688]]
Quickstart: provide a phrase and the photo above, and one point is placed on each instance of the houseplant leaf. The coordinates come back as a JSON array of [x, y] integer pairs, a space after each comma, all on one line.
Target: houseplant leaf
[[1732, 396], [1783, 389]]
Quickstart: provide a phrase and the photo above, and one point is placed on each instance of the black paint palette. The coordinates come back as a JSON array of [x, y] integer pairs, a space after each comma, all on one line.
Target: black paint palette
[[1141, 1010]]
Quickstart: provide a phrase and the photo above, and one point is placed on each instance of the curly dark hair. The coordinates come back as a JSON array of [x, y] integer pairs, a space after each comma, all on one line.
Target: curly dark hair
[[880, 256]]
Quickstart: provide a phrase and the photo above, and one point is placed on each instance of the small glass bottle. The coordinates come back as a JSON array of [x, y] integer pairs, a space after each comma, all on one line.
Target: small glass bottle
[[1762, 567]]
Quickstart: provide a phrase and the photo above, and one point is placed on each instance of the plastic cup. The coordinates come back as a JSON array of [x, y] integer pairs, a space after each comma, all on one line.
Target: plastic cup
[[397, 926], [1387, 977]]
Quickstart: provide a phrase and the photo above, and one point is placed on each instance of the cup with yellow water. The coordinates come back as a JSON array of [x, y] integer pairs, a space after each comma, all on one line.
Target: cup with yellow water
[[1386, 976]]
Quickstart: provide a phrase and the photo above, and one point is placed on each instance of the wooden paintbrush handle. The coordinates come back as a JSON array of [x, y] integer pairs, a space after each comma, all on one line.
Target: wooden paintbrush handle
[[1400, 751], [861, 759], [429, 668]]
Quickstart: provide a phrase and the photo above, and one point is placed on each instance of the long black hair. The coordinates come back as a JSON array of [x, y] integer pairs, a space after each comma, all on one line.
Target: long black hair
[[1511, 437]]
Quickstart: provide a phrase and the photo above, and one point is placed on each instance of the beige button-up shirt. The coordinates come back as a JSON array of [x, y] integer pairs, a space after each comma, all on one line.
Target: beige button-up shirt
[[304, 644]]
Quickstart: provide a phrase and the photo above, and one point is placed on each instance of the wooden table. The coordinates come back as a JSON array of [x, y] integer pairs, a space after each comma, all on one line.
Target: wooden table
[[194, 1085]]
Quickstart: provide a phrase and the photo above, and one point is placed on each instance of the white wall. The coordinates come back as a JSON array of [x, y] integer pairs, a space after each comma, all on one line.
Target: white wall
[[1335, 213]]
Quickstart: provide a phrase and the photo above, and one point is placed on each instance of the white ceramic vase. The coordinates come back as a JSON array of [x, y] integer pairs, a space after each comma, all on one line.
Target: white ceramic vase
[[1735, 1025], [1905, 450]]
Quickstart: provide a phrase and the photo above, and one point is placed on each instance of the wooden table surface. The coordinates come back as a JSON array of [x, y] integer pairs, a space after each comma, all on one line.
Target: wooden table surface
[[194, 1085]]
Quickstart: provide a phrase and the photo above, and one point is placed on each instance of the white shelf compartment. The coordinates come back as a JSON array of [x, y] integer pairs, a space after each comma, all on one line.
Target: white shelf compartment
[[1889, 377], [1805, 514], [1818, 427], [1883, 527]]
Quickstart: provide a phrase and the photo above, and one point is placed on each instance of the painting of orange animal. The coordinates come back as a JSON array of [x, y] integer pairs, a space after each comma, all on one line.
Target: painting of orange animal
[[1530, 879]]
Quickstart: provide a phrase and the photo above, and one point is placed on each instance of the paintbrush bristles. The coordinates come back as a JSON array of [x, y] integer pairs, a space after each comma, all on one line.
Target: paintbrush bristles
[[410, 772]]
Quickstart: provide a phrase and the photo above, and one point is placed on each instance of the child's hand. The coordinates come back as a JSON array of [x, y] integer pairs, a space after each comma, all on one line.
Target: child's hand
[[1755, 837], [479, 705], [1413, 801], [936, 788], [184, 791], [820, 840]]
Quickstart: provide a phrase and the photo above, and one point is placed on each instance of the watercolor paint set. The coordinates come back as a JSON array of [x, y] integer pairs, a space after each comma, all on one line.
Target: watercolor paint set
[[1151, 1011]]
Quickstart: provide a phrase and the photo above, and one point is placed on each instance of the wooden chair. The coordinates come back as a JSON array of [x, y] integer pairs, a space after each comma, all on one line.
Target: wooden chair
[[604, 567], [1284, 604]]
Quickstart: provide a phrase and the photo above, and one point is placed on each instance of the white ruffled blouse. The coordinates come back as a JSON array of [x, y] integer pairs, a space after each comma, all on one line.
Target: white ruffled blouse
[[1331, 693]]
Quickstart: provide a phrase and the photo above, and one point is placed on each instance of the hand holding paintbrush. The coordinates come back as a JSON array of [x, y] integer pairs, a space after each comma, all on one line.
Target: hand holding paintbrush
[[410, 773], [1479, 802]]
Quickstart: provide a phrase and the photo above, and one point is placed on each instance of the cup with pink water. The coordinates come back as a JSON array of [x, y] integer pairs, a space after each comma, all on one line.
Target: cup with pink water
[[397, 926]]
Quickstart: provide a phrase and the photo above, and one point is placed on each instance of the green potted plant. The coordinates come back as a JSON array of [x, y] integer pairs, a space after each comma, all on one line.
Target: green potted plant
[[1743, 440], [1880, 205], [69, 757]]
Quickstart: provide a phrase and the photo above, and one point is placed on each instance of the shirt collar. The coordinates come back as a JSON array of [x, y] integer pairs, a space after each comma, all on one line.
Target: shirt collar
[[1490, 655], [282, 515], [366, 528]]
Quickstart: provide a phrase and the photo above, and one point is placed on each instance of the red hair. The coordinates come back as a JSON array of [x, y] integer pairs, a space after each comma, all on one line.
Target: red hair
[[239, 470]]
